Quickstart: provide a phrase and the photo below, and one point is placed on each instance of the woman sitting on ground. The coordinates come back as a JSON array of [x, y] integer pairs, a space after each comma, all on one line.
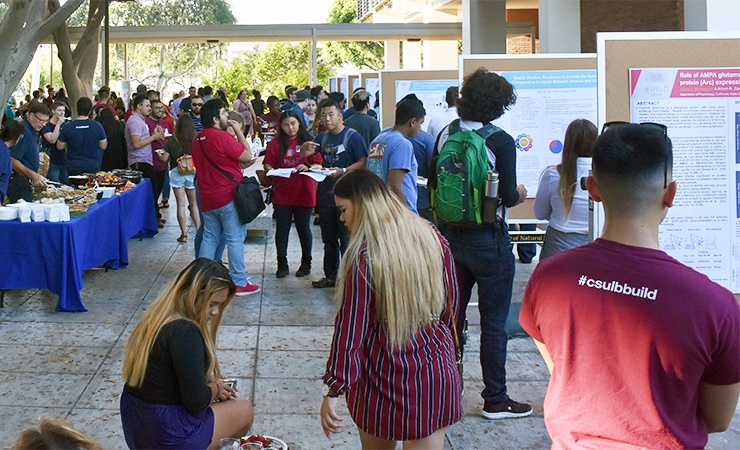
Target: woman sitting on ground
[[559, 196], [393, 352], [171, 371], [293, 198]]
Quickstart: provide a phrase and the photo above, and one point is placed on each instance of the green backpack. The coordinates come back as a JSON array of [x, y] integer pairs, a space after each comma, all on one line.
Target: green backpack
[[459, 170]]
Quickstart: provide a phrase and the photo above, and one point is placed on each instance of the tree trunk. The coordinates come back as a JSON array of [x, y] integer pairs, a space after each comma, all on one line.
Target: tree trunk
[[25, 25], [78, 65]]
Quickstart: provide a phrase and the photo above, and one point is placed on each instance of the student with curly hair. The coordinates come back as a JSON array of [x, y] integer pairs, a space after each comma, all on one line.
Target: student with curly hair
[[483, 253]]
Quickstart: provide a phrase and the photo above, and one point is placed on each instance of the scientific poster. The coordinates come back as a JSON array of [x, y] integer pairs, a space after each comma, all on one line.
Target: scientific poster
[[371, 85], [547, 102], [701, 108], [355, 84], [430, 92], [333, 85], [344, 87]]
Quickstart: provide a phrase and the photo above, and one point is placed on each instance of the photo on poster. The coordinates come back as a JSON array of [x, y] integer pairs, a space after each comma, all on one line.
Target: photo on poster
[[700, 107], [430, 92]]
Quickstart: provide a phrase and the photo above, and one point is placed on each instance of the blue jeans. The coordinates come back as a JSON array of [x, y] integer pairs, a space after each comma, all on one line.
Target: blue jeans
[[483, 255], [224, 223], [199, 232], [58, 173], [334, 235]]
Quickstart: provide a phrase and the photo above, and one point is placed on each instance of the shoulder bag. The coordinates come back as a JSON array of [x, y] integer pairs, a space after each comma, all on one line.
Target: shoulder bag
[[247, 194]]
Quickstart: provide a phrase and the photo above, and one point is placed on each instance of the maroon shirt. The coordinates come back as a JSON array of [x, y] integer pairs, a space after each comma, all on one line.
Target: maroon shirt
[[632, 333], [298, 190]]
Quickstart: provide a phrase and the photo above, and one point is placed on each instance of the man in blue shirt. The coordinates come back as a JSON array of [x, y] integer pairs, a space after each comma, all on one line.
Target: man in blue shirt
[[84, 140], [24, 156], [392, 155], [343, 149], [423, 144], [299, 105]]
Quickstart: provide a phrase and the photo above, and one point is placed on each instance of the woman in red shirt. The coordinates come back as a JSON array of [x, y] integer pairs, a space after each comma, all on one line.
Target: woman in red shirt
[[393, 352], [293, 198]]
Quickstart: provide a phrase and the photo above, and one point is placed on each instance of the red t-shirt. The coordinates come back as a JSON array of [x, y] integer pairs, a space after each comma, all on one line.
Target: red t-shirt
[[632, 334], [222, 150], [298, 190]]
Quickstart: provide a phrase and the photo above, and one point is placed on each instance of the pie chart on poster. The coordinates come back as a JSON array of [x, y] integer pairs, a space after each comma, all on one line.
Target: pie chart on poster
[[556, 146]]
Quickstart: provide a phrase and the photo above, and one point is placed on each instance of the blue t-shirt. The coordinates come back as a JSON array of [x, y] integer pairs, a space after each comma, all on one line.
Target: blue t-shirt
[[392, 150], [5, 169], [299, 111], [58, 157], [335, 154], [423, 144], [197, 123], [83, 145], [27, 149]]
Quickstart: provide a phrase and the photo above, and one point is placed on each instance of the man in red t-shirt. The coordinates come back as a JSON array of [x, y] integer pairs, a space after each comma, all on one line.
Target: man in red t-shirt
[[218, 158], [643, 350]]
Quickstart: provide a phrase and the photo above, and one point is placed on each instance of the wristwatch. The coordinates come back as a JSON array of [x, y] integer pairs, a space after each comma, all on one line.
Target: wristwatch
[[344, 170], [328, 392]]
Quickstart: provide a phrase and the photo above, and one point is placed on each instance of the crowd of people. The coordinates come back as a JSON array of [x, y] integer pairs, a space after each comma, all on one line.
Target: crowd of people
[[660, 367]]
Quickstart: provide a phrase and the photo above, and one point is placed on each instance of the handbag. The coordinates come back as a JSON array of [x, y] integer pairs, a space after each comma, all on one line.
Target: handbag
[[247, 194], [185, 165]]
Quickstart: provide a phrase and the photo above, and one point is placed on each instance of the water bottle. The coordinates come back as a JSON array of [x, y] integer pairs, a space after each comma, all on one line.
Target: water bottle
[[492, 184], [490, 201]]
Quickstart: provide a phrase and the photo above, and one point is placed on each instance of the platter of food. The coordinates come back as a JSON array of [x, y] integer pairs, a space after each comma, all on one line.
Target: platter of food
[[318, 168], [268, 442]]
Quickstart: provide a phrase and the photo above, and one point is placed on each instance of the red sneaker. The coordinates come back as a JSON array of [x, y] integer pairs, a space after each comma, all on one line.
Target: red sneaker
[[247, 289]]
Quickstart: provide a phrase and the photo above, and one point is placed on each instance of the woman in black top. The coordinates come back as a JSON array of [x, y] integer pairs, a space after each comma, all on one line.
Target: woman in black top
[[171, 371], [116, 155]]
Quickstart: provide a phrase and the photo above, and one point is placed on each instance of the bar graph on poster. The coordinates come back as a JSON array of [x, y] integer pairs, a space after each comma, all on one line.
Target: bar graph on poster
[[547, 102], [701, 108]]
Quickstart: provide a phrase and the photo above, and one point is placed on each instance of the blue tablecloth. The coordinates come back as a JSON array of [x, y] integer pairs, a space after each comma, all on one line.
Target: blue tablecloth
[[54, 255]]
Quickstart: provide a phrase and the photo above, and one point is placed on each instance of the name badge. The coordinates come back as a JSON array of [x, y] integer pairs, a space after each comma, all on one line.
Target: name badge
[[340, 148]]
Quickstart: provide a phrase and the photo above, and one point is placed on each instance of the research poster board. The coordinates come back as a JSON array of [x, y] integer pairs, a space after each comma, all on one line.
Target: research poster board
[[354, 83], [547, 102], [431, 92], [344, 87], [689, 82], [388, 96], [552, 90], [333, 85], [371, 83]]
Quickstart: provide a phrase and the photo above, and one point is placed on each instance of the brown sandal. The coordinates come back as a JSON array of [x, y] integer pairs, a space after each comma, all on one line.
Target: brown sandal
[[183, 239]]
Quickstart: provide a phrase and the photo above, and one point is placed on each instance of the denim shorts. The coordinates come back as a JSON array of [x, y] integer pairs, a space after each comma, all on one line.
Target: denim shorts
[[178, 181]]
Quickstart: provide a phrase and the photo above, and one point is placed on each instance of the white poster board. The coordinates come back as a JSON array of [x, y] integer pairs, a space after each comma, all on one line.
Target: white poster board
[[344, 87], [430, 92], [547, 102], [355, 83], [126, 92], [372, 85], [333, 86], [701, 108]]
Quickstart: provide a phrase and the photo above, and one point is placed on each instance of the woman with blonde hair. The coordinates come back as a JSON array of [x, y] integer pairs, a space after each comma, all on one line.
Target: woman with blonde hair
[[54, 433], [171, 371], [559, 198], [393, 352]]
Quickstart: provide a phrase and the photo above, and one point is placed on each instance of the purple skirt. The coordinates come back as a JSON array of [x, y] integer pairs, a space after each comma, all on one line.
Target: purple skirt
[[148, 426]]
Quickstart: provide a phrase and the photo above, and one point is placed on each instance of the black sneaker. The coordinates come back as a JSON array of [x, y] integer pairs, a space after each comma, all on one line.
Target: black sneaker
[[506, 410]]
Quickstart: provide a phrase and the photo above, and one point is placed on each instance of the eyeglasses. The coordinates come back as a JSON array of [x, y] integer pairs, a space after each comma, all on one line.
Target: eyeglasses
[[44, 121], [656, 126], [196, 104]]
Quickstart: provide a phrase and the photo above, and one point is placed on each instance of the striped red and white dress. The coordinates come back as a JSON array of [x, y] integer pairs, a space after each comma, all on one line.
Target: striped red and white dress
[[396, 395]]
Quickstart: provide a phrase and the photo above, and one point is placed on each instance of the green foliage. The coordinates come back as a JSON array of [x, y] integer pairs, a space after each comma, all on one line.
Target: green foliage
[[162, 62], [269, 69], [360, 54]]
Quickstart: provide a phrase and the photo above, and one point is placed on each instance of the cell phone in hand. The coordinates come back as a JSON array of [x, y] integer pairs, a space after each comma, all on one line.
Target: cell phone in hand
[[230, 382]]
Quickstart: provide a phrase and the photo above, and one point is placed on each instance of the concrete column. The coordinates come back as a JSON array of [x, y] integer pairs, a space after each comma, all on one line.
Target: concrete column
[[484, 26], [439, 54], [560, 26], [412, 54], [695, 15], [392, 54]]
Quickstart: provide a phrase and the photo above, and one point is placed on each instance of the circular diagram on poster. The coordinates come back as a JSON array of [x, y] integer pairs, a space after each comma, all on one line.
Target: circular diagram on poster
[[524, 142], [556, 146]]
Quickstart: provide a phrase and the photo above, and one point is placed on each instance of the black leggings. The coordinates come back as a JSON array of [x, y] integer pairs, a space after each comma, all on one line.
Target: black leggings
[[302, 217], [147, 171]]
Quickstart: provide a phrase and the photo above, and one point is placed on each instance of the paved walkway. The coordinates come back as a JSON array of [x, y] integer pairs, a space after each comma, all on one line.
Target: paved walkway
[[274, 342]]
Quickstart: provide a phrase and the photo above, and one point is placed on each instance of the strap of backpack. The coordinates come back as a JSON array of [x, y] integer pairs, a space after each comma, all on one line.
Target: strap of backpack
[[486, 132], [347, 135], [432, 178]]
